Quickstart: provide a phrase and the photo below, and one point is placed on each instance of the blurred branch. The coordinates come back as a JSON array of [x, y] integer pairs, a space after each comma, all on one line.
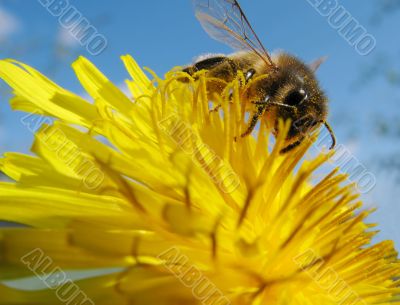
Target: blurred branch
[[381, 67], [58, 53], [385, 7]]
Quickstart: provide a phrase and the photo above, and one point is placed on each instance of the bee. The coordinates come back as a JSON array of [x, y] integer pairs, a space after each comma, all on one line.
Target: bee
[[288, 89]]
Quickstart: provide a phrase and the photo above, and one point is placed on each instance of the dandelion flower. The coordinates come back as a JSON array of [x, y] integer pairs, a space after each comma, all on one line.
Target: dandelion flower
[[156, 187]]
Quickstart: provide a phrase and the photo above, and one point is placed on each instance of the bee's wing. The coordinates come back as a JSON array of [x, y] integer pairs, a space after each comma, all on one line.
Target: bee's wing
[[225, 21]]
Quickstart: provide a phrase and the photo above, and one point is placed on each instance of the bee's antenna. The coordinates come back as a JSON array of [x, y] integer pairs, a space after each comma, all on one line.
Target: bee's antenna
[[331, 133]]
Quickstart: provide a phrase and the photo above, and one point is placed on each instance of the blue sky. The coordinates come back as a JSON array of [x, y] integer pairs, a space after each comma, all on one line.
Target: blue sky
[[162, 34]]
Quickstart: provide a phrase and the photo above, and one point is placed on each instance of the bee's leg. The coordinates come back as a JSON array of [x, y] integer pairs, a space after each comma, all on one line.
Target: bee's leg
[[283, 105], [294, 108], [216, 108], [275, 103], [253, 122], [292, 146], [219, 106]]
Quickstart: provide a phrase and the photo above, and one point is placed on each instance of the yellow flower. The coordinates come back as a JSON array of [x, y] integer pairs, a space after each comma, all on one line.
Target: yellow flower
[[156, 187]]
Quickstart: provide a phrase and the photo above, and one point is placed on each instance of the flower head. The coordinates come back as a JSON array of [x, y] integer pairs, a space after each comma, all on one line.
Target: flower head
[[158, 186]]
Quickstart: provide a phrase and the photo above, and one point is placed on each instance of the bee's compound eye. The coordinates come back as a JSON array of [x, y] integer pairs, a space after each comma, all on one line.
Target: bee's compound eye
[[296, 97]]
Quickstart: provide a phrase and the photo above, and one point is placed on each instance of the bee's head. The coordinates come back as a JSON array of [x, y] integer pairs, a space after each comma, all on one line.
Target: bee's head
[[297, 96]]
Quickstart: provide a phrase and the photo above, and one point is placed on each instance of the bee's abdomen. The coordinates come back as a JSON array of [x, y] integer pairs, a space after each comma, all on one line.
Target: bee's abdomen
[[218, 66], [206, 64]]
